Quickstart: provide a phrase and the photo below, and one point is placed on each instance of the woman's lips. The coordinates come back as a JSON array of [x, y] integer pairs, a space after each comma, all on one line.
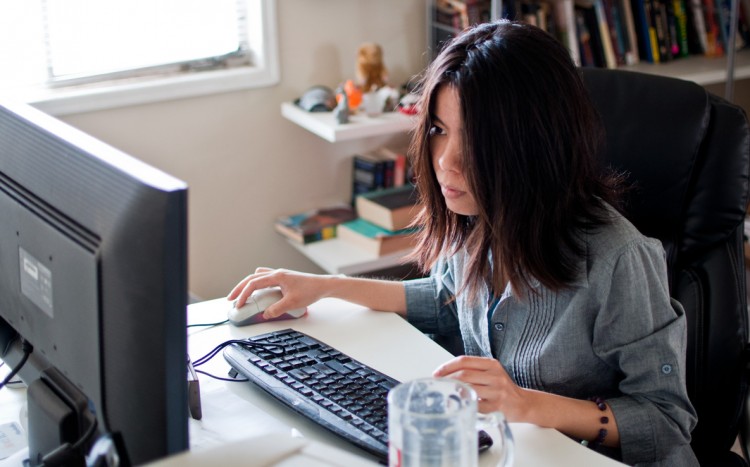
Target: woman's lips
[[451, 192]]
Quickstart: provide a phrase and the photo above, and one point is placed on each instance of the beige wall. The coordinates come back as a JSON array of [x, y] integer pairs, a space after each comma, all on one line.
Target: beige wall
[[244, 163]]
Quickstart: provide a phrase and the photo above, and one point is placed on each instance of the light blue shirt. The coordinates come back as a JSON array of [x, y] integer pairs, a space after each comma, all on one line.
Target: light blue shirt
[[614, 333]]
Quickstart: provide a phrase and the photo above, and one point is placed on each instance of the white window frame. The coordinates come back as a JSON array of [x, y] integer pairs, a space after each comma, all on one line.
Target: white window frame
[[263, 72]]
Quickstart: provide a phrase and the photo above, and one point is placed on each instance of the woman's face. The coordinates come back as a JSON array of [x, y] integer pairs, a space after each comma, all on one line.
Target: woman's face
[[445, 148]]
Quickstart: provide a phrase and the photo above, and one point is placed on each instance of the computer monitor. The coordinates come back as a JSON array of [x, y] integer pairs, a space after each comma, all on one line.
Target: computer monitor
[[93, 274]]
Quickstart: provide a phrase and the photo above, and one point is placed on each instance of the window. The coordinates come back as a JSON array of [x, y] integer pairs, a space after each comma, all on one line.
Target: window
[[69, 56]]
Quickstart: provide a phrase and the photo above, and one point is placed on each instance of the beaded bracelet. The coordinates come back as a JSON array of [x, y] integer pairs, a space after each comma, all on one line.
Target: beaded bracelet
[[602, 431]]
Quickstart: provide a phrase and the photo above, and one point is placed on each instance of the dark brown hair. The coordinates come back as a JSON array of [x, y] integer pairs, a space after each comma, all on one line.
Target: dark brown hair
[[531, 136]]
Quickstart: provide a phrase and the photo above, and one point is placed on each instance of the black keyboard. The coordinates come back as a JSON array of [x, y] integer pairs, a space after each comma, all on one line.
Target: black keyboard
[[330, 388]]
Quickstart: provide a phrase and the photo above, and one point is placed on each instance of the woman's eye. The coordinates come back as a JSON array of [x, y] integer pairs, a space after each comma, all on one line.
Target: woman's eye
[[435, 130]]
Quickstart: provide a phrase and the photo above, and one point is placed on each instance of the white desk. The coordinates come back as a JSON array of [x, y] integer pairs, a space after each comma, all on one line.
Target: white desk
[[238, 411], [382, 340]]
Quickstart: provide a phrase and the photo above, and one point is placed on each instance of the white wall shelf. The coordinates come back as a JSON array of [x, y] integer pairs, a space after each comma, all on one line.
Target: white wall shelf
[[336, 256], [324, 124]]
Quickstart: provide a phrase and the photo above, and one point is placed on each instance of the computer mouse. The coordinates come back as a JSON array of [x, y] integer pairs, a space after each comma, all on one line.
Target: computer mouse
[[252, 311]]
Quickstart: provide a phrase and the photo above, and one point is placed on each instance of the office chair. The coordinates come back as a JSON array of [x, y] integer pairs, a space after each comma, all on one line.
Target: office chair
[[686, 154]]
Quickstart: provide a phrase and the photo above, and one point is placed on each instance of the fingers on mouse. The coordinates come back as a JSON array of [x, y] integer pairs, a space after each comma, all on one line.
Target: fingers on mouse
[[252, 311]]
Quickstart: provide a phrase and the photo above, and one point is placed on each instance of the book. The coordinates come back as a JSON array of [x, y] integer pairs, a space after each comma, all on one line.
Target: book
[[375, 239], [660, 21], [604, 34], [566, 26], [399, 165], [368, 172], [586, 53], [594, 39], [643, 27], [374, 170], [697, 37], [714, 46], [314, 225], [391, 209], [679, 9], [615, 27], [633, 56]]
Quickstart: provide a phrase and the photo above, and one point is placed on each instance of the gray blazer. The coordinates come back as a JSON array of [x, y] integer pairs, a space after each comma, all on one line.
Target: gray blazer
[[614, 333]]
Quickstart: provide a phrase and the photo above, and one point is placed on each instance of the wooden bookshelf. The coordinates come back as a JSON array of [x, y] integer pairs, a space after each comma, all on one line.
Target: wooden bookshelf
[[324, 124]]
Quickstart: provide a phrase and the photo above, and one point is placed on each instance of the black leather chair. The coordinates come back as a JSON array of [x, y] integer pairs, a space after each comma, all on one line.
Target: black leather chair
[[687, 156]]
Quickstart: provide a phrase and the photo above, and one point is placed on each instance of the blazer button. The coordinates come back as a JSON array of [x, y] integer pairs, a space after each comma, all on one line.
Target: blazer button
[[666, 368], [499, 326]]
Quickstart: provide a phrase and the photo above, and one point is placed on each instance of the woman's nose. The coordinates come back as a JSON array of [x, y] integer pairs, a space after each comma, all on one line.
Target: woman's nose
[[449, 156]]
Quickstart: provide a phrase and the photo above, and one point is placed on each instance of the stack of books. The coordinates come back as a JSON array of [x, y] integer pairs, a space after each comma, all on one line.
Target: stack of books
[[314, 225], [384, 222]]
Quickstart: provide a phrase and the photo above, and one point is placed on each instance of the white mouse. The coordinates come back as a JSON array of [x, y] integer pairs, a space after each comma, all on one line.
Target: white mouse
[[252, 311]]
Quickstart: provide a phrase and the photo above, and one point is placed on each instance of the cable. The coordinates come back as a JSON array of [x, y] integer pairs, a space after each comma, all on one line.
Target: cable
[[231, 380], [241, 342], [63, 454], [207, 324], [27, 349]]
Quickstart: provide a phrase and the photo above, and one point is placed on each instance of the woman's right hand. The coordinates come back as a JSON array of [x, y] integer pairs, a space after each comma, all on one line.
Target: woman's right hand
[[298, 289]]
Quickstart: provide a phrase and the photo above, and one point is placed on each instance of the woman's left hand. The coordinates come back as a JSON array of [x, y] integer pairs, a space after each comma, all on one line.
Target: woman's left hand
[[495, 389]]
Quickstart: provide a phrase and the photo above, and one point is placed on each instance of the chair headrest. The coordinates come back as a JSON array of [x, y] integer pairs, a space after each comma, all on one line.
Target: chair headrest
[[681, 144]]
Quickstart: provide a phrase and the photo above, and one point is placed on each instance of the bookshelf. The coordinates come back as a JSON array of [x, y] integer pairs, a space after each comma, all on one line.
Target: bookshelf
[[336, 256], [699, 69], [702, 70], [442, 25]]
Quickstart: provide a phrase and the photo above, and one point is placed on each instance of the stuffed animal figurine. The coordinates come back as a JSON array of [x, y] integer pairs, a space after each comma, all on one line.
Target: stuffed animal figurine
[[371, 72]]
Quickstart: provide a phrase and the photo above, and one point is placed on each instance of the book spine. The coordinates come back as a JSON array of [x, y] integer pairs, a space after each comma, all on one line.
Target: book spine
[[566, 23], [642, 24], [585, 53], [659, 34], [714, 46], [388, 168], [680, 14], [614, 26], [367, 175], [698, 25], [653, 37], [632, 55], [606, 40]]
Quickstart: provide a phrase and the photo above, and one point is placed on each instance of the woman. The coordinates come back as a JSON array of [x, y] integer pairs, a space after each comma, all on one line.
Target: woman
[[561, 304]]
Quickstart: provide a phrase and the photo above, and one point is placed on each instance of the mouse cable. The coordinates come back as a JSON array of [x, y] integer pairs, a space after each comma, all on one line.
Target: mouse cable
[[27, 349], [207, 324], [241, 342]]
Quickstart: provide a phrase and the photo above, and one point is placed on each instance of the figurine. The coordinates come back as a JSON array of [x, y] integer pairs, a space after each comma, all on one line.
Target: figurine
[[341, 112], [371, 72], [353, 95]]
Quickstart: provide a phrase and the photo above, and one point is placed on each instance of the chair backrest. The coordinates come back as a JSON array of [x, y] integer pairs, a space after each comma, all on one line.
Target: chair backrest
[[687, 156]]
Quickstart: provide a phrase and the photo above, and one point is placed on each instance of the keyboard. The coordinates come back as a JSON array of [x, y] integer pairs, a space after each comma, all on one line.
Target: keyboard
[[325, 385], [332, 389]]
